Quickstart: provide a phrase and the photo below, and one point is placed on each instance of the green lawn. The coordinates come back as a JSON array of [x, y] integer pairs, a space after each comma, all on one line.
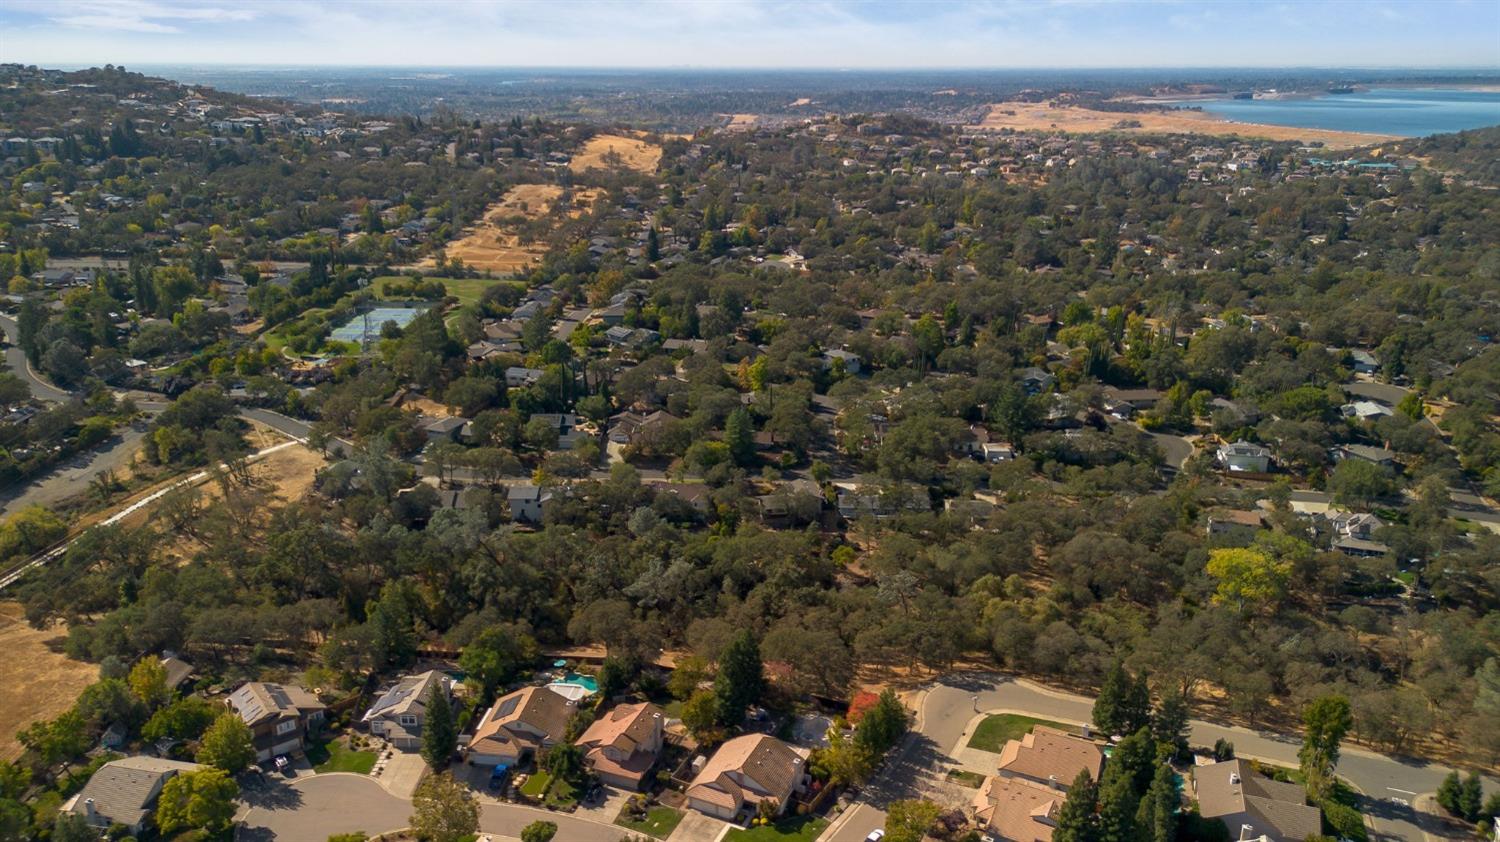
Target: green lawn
[[963, 777], [466, 290], [791, 829], [659, 822], [994, 731], [335, 756], [542, 787]]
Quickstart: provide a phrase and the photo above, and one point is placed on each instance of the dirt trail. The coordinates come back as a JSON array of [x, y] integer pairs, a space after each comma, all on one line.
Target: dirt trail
[[496, 243]]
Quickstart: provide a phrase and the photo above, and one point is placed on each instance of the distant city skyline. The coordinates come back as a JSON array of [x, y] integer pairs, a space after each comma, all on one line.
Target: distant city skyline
[[757, 33]]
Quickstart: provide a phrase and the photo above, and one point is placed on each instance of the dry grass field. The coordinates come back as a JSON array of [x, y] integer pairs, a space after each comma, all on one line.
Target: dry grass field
[[38, 683], [1049, 116], [496, 244], [634, 154], [740, 122]]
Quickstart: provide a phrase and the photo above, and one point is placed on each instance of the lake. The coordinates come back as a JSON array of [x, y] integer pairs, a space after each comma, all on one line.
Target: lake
[[1410, 112]]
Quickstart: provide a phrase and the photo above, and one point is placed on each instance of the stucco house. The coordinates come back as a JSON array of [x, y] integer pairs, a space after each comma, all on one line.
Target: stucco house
[[520, 724], [622, 745], [744, 772]]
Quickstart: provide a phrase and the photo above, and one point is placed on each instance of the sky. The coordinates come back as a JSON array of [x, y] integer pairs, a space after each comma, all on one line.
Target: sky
[[755, 33]]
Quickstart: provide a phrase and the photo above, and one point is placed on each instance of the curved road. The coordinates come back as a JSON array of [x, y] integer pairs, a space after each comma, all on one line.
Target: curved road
[[318, 806], [16, 359], [947, 708]]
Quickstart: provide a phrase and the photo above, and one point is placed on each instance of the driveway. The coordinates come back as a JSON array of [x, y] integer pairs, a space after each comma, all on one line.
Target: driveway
[[697, 827], [313, 808]]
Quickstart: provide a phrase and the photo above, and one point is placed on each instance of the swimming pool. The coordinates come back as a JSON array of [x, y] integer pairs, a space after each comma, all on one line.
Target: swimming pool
[[576, 686]]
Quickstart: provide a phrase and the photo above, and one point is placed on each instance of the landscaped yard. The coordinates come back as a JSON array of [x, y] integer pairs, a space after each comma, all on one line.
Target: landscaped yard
[[791, 829], [337, 756], [963, 777], [466, 290], [659, 822], [542, 787], [994, 731]]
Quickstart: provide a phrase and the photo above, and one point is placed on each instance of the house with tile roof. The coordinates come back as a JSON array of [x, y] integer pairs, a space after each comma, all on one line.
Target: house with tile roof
[[1016, 809], [520, 724], [124, 791], [744, 772], [622, 745], [401, 711], [1050, 757], [1253, 806]]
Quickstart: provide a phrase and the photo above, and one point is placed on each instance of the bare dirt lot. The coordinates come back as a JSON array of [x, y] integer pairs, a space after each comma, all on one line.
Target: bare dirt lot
[[497, 243], [1049, 116], [36, 682], [600, 151]]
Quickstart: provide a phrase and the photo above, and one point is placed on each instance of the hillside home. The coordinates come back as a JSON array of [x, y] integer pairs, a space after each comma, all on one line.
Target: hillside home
[[124, 792], [1244, 456], [1254, 807]]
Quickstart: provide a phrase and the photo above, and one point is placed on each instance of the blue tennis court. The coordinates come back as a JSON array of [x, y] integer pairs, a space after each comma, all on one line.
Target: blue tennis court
[[365, 329]]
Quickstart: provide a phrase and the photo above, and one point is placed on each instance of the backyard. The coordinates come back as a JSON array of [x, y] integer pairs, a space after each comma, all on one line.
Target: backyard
[[553, 793], [995, 731], [338, 756], [659, 821], [790, 829]]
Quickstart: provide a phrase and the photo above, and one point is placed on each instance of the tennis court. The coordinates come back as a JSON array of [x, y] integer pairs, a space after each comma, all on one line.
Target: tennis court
[[365, 329]]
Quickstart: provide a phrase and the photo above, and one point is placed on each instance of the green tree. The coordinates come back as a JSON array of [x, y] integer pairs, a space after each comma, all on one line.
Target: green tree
[[1169, 723], [1450, 793], [1124, 703], [700, 716], [148, 681], [539, 831], [846, 760], [439, 736], [443, 810], [1355, 482], [1325, 722], [741, 678], [227, 744], [909, 821], [1078, 820], [69, 827], [564, 762], [1248, 576], [495, 656], [1471, 797], [1117, 808], [184, 719], [882, 725], [1156, 818], [202, 799], [739, 436]]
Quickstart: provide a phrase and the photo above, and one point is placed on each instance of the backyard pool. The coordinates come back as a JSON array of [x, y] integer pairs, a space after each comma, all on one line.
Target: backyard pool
[[576, 686]]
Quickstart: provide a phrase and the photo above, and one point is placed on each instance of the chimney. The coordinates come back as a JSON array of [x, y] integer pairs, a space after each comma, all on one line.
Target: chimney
[[88, 808], [1234, 778], [1246, 833], [1053, 782]]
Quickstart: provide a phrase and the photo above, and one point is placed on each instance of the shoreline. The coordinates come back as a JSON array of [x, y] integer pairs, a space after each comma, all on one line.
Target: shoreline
[[1045, 117]]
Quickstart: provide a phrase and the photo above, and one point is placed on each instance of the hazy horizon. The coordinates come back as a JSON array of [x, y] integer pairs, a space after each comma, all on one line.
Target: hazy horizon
[[703, 35]]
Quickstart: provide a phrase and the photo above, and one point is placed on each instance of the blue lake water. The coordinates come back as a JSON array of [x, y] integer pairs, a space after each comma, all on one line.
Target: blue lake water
[[1411, 112]]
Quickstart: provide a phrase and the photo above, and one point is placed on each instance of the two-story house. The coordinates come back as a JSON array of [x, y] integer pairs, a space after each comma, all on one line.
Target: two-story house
[[744, 772], [520, 724], [621, 746], [401, 711], [280, 716]]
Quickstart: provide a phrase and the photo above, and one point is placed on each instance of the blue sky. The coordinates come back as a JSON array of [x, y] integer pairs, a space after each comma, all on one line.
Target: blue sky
[[756, 33]]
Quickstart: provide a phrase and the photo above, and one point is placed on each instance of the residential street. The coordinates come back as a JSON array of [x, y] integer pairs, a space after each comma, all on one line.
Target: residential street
[[948, 707], [16, 359], [316, 806]]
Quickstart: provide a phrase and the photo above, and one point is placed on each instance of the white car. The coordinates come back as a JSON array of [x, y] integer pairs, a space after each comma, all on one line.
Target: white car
[[876, 835]]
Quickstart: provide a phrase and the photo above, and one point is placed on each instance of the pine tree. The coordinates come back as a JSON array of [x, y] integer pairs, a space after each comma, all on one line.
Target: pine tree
[[1449, 793], [1169, 724], [882, 725], [1471, 797], [739, 435], [1111, 694], [1077, 820], [1117, 805], [1135, 711], [439, 737], [1156, 818], [741, 679], [1325, 722]]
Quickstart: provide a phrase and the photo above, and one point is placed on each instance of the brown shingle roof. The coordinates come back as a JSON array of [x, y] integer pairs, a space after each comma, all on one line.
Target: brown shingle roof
[[510, 723], [1016, 809], [1049, 754], [746, 770]]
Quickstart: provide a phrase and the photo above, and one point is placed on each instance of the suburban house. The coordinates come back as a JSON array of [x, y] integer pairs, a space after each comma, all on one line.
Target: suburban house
[[1365, 410], [1363, 362], [856, 500], [1244, 456], [744, 772], [1050, 757], [517, 376], [519, 724], [566, 424], [849, 359], [279, 716], [1016, 810], [400, 712], [1242, 523], [997, 451], [621, 746], [1123, 403], [178, 670], [1365, 452], [124, 792], [1252, 806], [528, 503], [627, 427], [1035, 380], [444, 429]]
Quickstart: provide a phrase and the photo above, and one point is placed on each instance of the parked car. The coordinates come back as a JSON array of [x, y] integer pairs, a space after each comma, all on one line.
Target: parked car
[[876, 835]]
